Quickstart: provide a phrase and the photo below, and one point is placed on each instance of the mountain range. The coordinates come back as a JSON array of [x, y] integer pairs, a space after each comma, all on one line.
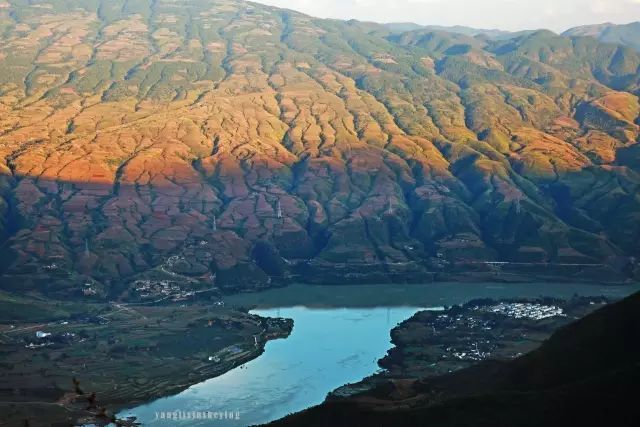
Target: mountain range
[[227, 142], [624, 34], [628, 34]]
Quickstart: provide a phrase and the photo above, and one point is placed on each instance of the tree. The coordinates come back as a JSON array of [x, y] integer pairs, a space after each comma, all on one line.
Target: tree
[[76, 386]]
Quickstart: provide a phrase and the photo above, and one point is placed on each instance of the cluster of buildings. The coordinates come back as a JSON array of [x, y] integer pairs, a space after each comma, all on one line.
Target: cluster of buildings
[[524, 310], [228, 354], [89, 290], [147, 289], [172, 260], [449, 322], [46, 339], [194, 245], [50, 266], [473, 353], [465, 336], [469, 350], [439, 261]]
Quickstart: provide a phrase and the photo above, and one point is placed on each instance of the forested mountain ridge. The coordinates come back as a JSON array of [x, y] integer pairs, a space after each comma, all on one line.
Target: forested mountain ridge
[[626, 34], [229, 142]]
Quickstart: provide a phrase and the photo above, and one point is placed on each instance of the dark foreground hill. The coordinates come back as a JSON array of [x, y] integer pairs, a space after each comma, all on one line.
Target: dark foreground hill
[[229, 143], [586, 374]]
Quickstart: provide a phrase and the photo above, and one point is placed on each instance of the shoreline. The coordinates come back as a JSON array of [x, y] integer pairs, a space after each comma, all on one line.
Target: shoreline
[[74, 408], [202, 376], [118, 407], [135, 358], [426, 294], [136, 373]]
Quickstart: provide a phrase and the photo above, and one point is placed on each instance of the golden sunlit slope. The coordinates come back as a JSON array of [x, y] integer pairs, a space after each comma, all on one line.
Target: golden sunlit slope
[[252, 143]]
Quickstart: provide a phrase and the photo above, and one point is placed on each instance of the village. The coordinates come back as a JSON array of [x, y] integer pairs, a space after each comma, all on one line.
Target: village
[[520, 310], [147, 289], [478, 345], [440, 342], [169, 284], [47, 339], [481, 320]]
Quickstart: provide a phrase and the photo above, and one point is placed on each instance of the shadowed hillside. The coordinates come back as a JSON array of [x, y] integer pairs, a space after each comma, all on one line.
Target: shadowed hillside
[[237, 144]]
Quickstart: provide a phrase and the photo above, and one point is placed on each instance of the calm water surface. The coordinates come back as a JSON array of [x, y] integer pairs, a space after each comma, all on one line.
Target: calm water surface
[[327, 348]]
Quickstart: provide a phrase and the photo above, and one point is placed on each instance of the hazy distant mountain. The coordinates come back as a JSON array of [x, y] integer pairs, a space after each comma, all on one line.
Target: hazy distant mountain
[[457, 29], [401, 27], [628, 34], [219, 140]]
